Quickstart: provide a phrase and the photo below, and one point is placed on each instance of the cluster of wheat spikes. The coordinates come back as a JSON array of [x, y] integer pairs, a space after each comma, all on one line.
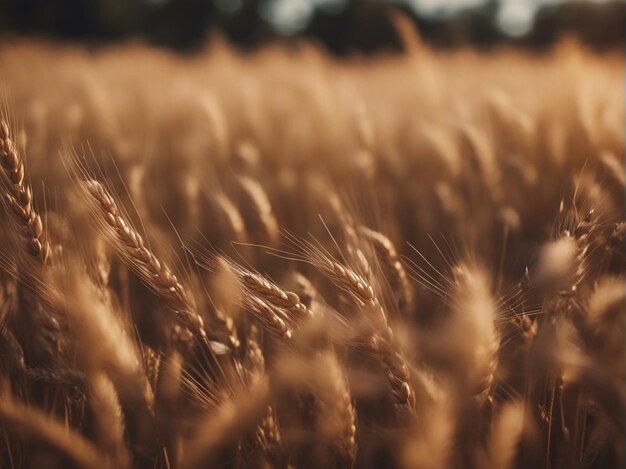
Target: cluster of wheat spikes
[[284, 259]]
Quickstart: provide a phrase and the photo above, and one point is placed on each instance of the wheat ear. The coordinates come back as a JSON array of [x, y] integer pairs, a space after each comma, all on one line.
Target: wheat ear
[[273, 294], [269, 317], [267, 432], [348, 280], [256, 210], [155, 274], [19, 197], [381, 341], [397, 276], [398, 373], [337, 415], [108, 417]]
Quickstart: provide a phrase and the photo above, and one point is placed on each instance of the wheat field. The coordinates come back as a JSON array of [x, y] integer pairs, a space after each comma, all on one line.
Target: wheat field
[[286, 259]]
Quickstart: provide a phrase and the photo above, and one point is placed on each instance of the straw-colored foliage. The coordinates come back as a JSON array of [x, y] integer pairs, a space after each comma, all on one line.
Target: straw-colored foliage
[[285, 259]]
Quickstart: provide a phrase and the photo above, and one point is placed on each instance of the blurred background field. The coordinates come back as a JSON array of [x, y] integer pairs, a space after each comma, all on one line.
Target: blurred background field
[[342, 26]]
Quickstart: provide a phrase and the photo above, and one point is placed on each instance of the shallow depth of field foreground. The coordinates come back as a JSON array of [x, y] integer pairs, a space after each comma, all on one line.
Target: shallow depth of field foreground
[[283, 259]]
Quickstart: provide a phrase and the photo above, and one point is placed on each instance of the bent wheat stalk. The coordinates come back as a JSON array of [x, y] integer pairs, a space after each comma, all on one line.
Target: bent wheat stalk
[[19, 197], [156, 275]]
